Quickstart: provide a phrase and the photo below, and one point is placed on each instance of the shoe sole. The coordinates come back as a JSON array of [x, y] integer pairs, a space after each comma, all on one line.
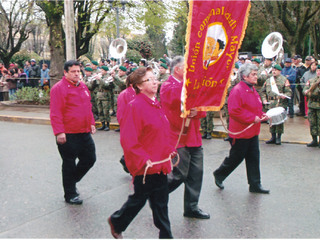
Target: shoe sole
[[75, 203], [197, 217]]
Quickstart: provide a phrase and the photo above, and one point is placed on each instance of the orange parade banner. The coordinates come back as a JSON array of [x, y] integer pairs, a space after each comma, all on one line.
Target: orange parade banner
[[214, 34]]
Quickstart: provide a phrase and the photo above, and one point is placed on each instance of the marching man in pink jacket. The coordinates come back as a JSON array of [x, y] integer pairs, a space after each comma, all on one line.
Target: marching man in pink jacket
[[73, 123]]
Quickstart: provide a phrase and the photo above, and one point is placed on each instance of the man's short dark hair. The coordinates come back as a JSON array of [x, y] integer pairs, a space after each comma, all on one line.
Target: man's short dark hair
[[69, 64]]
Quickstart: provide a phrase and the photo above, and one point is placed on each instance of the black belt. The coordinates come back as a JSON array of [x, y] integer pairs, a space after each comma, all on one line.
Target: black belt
[[116, 92], [272, 98]]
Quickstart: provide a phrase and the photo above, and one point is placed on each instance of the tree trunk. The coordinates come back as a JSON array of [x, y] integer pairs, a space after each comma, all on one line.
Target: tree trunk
[[56, 45]]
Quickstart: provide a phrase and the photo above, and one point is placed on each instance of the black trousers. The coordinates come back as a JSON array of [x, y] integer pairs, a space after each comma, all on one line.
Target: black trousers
[[156, 190], [81, 146], [247, 149]]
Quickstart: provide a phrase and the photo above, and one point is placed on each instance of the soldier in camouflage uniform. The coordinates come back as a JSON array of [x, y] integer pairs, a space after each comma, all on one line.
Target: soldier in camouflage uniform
[[87, 74], [94, 66], [105, 87], [207, 125], [264, 72], [92, 86], [163, 76], [312, 91], [272, 100], [119, 81], [261, 78]]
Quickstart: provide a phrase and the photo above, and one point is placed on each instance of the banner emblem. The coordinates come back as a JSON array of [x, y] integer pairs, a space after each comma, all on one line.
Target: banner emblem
[[216, 40]]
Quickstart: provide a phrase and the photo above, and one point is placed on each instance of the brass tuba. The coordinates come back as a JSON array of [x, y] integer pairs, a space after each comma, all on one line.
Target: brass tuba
[[272, 47], [118, 48]]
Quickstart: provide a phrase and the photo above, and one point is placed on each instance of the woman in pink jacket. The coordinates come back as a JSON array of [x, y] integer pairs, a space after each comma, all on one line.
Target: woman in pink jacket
[[245, 108], [145, 141]]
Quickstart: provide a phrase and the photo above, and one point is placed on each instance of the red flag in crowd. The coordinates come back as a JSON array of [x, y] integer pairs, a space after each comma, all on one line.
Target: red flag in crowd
[[214, 35]]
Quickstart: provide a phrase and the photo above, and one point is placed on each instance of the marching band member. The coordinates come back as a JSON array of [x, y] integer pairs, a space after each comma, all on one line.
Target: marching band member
[[275, 85], [312, 90], [245, 108], [105, 86]]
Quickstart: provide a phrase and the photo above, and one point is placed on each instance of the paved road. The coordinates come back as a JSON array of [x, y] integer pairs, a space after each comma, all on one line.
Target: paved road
[[32, 204]]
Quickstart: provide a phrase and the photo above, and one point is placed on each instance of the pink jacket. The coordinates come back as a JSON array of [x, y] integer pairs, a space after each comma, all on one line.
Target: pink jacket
[[244, 105], [170, 95], [144, 136], [124, 98], [70, 108]]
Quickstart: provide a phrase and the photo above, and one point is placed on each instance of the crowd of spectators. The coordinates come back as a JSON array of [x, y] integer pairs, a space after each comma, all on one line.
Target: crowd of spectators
[[17, 77]]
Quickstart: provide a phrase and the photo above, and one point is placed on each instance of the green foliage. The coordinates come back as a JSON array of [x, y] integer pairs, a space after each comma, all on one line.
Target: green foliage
[[142, 45], [33, 95], [133, 55], [158, 38], [178, 41], [22, 56]]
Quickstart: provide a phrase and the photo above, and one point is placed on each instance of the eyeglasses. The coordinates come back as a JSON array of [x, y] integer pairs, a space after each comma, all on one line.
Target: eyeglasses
[[150, 80]]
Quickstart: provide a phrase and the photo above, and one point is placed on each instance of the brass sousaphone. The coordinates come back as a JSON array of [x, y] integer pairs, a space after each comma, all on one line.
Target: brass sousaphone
[[272, 47], [118, 48]]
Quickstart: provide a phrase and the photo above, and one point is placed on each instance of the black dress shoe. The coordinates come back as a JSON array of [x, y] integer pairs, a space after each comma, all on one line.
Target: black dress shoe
[[75, 200], [197, 214], [218, 182], [113, 231], [208, 136], [258, 189], [204, 135], [117, 130]]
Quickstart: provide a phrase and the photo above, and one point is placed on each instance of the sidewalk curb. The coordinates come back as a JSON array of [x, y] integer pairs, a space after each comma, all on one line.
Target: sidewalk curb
[[113, 126], [20, 119], [15, 104]]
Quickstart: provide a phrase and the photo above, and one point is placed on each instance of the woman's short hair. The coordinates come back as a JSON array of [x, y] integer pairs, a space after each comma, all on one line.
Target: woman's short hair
[[246, 69], [136, 77]]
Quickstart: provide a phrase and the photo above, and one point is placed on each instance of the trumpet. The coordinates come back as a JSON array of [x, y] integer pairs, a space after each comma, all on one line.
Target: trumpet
[[109, 79], [95, 77]]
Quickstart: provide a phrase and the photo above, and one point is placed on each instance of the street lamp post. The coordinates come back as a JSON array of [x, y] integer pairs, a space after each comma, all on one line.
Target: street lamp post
[[69, 30]]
